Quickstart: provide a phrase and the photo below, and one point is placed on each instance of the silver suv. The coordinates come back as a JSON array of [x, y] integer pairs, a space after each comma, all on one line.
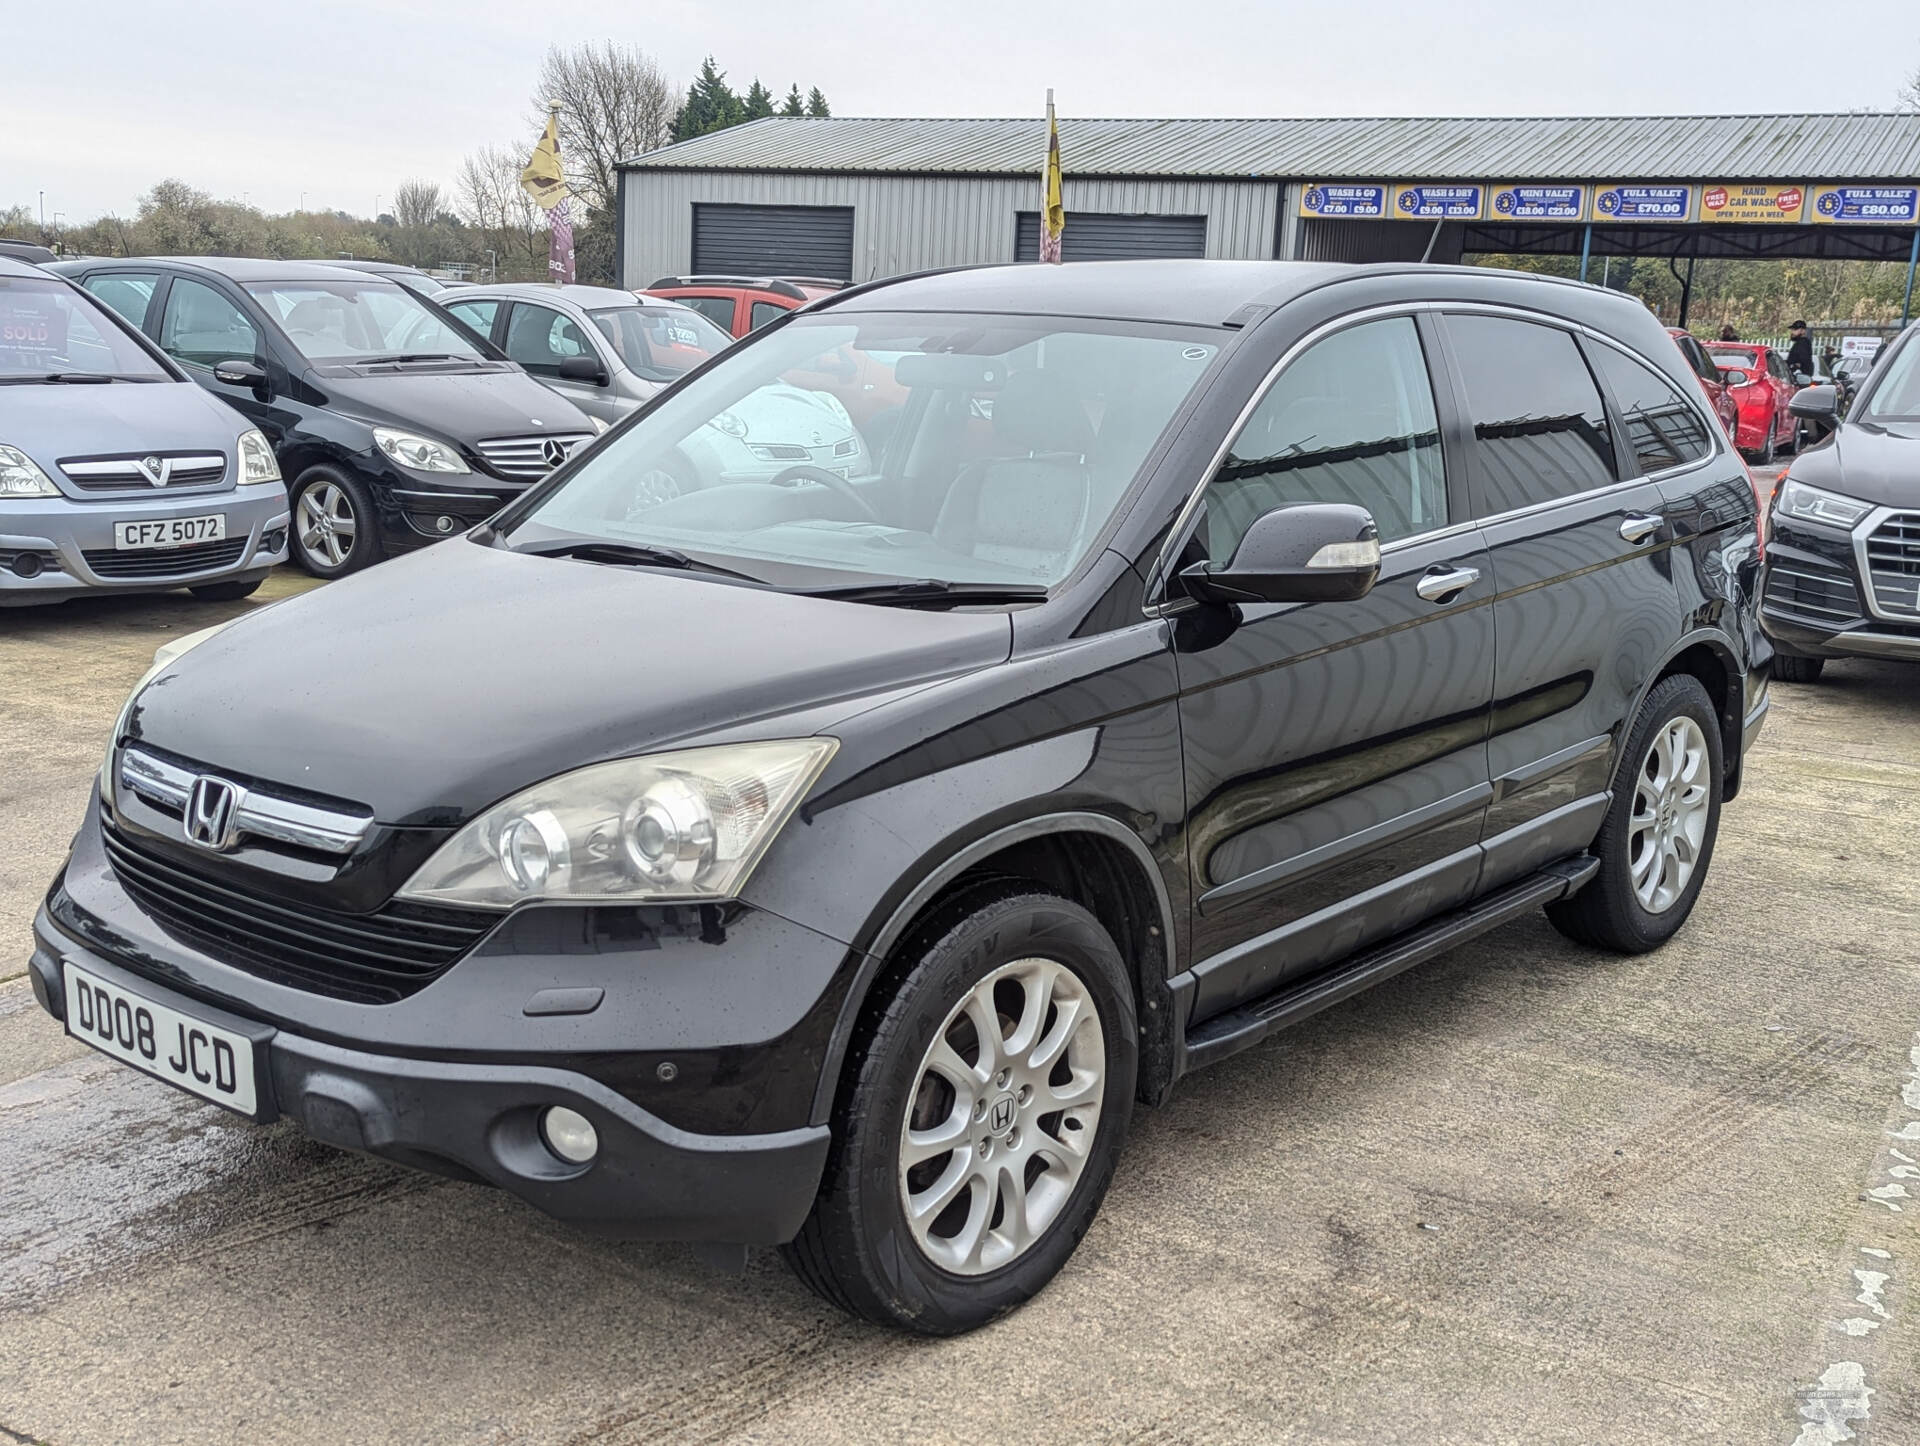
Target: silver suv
[[117, 472]]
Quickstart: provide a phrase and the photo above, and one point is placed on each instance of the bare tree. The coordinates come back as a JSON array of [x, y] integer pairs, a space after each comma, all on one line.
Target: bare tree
[[1910, 91], [505, 215], [417, 204], [615, 102]]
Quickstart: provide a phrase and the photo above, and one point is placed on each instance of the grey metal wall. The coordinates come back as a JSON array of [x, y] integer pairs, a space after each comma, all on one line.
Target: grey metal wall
[[913, 223]]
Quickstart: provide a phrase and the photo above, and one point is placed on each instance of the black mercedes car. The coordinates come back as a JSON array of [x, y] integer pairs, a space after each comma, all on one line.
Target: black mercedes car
[[834, 862], [1843, 562], [394, 424]]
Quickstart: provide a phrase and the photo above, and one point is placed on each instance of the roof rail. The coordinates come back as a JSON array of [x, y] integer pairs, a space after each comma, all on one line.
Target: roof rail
[[777, 285]]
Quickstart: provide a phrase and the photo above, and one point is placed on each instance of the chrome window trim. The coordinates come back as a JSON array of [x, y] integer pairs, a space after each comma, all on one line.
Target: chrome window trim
[[259, 815], [1863, 530], [1183, 521]]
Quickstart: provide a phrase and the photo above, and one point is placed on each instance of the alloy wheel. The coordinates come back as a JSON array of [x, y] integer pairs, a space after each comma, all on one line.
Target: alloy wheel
[[1002, 1117], [327, 523], [1668, 827]]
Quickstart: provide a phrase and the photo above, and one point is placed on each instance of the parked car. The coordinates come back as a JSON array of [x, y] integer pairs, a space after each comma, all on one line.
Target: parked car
[[31, 251], [1719, 395], [1843, 560], [741, 304], [394, 426], [117, 473], [834, 863], [607, 352], [411, 277], [1761, 385]]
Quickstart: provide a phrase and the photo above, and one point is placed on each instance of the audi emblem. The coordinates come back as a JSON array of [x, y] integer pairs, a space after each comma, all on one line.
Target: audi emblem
[[213, 807]]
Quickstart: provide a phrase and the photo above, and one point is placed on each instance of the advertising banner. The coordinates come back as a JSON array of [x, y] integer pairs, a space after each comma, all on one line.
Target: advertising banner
[[1359, 199], [1629, 202], [33, 330], [1519, 202], [1413, 201], [1864, 347], [1752, 205], [1895, 205]]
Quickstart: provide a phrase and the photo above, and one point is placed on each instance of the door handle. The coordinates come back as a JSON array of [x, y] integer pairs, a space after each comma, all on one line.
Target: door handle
[[1638, 526], [1441, 583]]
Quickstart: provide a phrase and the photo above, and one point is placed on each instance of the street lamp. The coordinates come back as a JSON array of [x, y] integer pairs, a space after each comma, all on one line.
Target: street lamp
[[493, 266]]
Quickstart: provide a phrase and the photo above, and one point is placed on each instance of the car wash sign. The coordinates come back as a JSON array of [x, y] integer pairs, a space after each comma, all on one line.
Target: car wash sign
[[1414, 201], [1358, 200], [1753, 205], [1885, 205], [1538, 203], [1630, 202]]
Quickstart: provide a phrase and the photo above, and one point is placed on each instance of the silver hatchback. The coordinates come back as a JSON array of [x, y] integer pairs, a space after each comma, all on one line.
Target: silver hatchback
[[117, 472]]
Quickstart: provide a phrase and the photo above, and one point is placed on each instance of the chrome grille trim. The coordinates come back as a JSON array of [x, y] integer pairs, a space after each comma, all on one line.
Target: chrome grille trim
[[1815, 593], [130, 473], [526, 456], [166, 784], [1888, 546]]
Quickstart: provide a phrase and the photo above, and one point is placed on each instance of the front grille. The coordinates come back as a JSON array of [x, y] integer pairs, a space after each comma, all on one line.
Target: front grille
[[138, 473], [1893, 565], [375, 958], [1814, 591], [167, 561], [526, 457]]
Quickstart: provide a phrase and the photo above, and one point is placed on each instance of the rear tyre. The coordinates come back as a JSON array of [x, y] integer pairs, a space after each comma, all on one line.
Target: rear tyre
[[335, 531], [1657, 841], [988, 1091], [1768, 450], [225, 591], [1797, 670]]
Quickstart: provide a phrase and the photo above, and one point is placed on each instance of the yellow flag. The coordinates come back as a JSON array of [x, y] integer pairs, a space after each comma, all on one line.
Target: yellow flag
[[1053, 214], [543, 179]]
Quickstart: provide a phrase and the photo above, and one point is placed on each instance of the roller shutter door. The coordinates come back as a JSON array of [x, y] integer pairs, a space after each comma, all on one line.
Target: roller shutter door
[[1091, 236], [773, 241]]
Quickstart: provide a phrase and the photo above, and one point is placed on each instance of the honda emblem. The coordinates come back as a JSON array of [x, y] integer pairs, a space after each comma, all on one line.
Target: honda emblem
[[213, 807]]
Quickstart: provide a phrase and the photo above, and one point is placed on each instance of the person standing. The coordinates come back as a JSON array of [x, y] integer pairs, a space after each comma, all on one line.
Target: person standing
[[1727, 333], [1799, 350]]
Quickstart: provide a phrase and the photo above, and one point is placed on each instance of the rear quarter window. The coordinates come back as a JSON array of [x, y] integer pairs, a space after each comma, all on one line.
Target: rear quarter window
[[1662, 430]]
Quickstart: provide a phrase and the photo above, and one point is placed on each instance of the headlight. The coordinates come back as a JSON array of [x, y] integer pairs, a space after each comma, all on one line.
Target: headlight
[[20, 476], [599, 426], [1809, 504], [728, 423], [257, 462], [422, 454], [671, 826], [163, 655]]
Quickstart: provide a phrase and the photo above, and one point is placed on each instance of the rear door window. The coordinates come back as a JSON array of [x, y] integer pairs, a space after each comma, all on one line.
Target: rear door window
[[540, 339], [1539, 426], [203, 327], [127, 292], [1662, 429], [764, 312], [717, 309], [476, 314]]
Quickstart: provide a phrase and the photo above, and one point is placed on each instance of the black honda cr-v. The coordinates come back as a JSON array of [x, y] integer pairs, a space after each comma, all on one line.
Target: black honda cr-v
[[394, 424], [834, 862]]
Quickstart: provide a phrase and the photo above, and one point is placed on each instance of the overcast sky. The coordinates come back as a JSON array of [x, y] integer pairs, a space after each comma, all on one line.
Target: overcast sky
[[341, 100]]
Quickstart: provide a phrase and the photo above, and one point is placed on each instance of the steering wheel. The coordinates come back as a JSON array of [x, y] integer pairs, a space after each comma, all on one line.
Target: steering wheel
[[833, 482]]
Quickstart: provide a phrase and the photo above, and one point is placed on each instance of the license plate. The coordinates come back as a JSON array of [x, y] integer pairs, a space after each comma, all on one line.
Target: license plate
[[169, 532], [202, 1058]]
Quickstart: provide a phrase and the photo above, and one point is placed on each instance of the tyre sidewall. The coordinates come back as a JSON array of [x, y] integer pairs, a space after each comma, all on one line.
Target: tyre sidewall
[[916, 1292], [366, 532], [1671, 698]]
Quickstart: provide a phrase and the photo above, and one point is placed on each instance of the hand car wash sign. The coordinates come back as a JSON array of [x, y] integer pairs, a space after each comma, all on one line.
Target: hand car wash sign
[[1751, 205]]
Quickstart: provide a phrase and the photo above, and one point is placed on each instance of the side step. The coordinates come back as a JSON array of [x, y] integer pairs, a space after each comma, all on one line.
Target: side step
[[1227, 1034]]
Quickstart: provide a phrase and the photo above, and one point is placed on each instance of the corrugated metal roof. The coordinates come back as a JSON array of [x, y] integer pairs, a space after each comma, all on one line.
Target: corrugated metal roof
[[1863, 147]]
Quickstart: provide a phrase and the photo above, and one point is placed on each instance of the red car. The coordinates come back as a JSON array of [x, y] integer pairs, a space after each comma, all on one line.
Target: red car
[[1762, 386], [1718, 395], [740, 304]]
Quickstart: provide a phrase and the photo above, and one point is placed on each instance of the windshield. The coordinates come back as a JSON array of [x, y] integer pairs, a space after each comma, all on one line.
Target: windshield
[[356, 321], [1896, 386], [966, 449], [660, 343], [48, 329]]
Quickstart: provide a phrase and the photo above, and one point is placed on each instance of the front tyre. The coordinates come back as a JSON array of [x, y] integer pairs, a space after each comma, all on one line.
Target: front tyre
[[990, 1089], [1658, 837], [334, 528], [226, 591], [1797, 670]]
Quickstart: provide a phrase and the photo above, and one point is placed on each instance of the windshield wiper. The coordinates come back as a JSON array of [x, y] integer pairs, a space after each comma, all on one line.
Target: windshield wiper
[[629, 554], [411, 356], [934, 591], [71, 378]]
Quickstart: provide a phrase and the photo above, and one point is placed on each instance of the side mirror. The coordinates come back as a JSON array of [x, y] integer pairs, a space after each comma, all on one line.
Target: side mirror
[[1815, 404], [583, 369], [243, 374], [1318, 552], [1734, 377], [1801, 379]]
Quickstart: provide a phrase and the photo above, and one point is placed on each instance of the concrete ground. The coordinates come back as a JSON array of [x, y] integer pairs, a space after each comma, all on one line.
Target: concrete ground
[[1526, 1193]]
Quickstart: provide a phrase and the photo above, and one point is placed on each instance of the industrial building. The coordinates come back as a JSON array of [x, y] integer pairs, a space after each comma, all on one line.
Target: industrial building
[[855, 199]]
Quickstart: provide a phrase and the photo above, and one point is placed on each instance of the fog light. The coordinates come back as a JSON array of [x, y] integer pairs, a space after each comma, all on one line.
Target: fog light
[[274, 540], [570, 1135], [27, 564], [443, 523]]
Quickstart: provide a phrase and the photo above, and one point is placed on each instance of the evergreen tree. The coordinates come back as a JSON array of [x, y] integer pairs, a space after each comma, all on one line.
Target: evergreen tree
[[759, 101], [816, 102], [711, 105], [794, 105]]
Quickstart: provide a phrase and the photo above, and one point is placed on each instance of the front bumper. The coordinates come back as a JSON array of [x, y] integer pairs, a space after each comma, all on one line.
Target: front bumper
[[59, 533], [1814, 600], [480, 1121]]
